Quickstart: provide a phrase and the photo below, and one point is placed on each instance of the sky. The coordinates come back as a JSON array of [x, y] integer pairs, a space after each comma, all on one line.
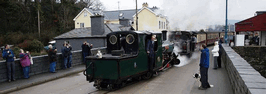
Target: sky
[[195, 14]]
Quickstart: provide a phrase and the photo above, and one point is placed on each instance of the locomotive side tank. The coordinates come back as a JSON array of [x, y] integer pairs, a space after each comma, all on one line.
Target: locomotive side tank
[[126, 58]]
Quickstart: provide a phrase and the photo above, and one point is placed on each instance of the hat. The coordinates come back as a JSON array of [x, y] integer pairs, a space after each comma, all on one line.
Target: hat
[[50, 46], [154, 37]]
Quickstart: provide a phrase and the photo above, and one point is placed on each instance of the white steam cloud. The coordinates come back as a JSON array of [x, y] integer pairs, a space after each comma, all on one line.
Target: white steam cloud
[[193, 14], [184, 59]]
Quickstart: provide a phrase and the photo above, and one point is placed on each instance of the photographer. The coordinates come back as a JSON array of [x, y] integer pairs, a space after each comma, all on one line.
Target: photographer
[[52, 58], [86, 50], [9, 56], [67, 55], [25, 62]]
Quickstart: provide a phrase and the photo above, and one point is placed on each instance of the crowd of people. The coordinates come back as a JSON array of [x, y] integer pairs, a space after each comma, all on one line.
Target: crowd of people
[[26, 59]]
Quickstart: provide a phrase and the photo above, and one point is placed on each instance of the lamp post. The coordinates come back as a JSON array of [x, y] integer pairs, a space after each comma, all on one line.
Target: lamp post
[[137, 15], [225, 36]]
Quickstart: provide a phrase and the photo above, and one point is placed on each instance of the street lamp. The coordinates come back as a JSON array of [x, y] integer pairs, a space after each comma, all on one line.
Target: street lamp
[[225, 36]]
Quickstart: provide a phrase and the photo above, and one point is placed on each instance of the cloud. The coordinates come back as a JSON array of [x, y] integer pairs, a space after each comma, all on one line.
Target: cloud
[[198, 14]]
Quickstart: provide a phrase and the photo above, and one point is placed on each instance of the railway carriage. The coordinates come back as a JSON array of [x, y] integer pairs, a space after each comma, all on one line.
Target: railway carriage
[[208, 38]]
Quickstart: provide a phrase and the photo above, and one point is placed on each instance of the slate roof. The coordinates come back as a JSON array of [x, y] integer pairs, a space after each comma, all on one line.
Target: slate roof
[[114, 15], [86, 32]]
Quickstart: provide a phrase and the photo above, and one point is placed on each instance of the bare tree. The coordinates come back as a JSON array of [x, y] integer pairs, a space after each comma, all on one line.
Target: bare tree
[[96, 5]]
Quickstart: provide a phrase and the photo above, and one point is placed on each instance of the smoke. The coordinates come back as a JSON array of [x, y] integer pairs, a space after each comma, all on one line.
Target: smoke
[[193, 14], [184, 59]]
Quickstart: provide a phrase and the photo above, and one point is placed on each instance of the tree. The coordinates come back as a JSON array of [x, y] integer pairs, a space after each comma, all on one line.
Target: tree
[[96, 5]]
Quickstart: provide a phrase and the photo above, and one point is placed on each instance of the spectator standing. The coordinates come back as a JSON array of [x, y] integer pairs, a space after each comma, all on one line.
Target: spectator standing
[[85, 50], [220, 52], [25, 62], [215, 54], [52, 58], [89, 50], [68, 54], [9, 56], [64, 56], [204, 66]]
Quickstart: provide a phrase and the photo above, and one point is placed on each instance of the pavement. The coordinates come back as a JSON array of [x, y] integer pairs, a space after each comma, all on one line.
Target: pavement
[[217, 77], [19, 84]]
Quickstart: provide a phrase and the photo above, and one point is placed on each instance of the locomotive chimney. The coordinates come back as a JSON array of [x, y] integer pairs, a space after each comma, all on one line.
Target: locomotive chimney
[[97, 25], [164, 35]]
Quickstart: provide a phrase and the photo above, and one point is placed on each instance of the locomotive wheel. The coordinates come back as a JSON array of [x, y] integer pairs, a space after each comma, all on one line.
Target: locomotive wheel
[[147, 76]]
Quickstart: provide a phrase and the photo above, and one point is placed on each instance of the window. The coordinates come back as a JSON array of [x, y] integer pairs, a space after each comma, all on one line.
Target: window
[[159, 24], [163, 25], [85, 14], [81, 25]]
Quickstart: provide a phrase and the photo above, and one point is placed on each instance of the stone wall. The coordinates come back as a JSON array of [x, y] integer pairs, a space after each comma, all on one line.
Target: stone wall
[[255, 56], [243, 77], [41, 64]]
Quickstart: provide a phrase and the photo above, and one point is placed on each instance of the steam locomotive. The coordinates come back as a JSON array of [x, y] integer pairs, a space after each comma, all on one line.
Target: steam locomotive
[[126, 59]]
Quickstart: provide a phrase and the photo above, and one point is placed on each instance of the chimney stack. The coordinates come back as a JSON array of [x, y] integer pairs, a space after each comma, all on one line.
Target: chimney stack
[[97, 25], [145, 4]]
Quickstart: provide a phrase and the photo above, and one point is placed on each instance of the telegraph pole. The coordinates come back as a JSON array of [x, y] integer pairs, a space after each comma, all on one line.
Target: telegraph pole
[[225, 36], [119, 10], [39, 26], [136, 15]]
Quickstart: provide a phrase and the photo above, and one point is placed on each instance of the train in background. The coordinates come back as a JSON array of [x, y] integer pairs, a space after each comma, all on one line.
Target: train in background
[[208, 38], [183, 40]]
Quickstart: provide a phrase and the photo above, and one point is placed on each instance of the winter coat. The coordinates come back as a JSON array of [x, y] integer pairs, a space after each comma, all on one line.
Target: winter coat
[[66, 52], [204, 58], [8, 56], [85, 48], [24, 59], [215, 50], [52, 55]]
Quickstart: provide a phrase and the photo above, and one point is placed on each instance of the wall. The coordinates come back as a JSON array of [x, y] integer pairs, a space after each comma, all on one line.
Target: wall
[[257, 61], [41, 64], [111, 21], [243, 77], [76, 43]]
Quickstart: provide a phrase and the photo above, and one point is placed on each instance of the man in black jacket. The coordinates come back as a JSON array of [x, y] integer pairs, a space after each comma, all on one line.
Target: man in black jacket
[[85, 49]]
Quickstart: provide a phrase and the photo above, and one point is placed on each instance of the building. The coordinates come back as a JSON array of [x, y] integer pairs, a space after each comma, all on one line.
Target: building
[[96, 34], [148, 18], [254, 24]]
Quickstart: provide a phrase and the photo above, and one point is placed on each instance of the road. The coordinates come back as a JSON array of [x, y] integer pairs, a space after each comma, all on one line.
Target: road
[[176, 80]]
